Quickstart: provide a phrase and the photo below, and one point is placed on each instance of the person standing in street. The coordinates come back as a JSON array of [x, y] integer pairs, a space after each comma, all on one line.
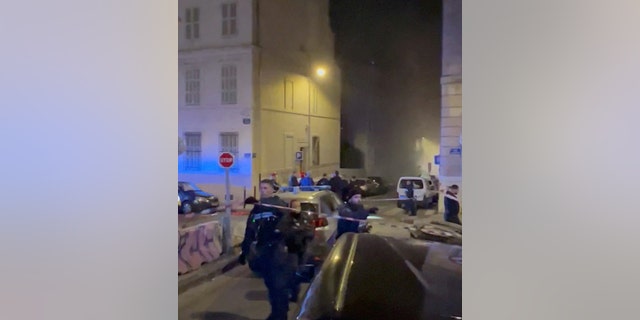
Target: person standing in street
[[337, 184], [306, 180], [323, 181], [452, 205], [347, 186], [352, 209], [265, 240], [410, 203], [293, 180]]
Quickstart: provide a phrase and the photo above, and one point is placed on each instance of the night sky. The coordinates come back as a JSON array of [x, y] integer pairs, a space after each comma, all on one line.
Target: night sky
[[383, 30], [404, 39]]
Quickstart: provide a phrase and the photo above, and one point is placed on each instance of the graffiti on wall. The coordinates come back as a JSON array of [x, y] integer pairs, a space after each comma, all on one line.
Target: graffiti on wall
[[197, 245]]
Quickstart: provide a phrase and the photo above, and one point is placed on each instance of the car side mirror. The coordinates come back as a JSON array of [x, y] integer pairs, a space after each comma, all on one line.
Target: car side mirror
[[251, 200]]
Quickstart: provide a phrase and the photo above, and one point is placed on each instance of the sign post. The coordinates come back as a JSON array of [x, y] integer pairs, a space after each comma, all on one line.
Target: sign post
[[299, 159], [226, 161]]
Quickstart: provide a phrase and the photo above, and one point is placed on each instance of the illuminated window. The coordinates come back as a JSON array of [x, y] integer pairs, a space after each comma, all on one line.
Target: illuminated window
[[193, 152], [192, 87], [229, 84], [229, 19], [192, 23]]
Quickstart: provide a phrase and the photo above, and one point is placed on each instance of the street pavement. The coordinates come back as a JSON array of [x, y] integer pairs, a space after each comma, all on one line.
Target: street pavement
[[239, 295]]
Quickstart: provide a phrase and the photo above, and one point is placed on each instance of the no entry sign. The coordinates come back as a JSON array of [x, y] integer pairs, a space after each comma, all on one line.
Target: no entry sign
[[226, 160]]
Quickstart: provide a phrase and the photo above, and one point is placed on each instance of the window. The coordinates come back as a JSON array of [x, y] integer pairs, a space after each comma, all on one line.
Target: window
[[417, 184], [192, 23], [192, 90], [288, 94], [194, 150], [229, 19], [229, 85], [315, 141], [229, 143]]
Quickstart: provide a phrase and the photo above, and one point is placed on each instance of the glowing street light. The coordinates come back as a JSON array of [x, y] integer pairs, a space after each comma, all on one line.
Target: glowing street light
[[321, 72]]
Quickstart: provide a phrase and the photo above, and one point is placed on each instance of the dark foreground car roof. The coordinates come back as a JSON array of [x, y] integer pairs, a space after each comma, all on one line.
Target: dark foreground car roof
[[372, 277]]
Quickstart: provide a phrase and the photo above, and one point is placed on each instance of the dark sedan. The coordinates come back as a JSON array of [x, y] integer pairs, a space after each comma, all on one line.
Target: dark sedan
[[371, 277], [370, 187], [381, 185], [193, 199]]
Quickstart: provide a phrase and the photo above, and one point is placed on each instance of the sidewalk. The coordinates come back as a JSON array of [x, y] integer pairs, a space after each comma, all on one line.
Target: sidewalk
[[224, 262]]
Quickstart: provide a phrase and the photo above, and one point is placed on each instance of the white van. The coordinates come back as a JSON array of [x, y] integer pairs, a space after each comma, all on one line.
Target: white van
[[424, 190]]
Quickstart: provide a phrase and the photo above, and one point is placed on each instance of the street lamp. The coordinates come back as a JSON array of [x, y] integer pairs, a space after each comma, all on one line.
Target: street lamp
[[321, 72]]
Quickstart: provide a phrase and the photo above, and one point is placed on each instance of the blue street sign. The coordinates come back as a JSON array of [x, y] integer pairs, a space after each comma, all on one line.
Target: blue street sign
[[436, 160], [455, 151]]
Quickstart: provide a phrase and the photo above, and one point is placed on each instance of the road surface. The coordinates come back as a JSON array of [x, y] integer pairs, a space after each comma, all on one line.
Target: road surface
[[239, 295]]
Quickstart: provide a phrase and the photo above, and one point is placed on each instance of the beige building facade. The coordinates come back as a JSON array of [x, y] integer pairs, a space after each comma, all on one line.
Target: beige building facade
[[257, 78], [451, 82]]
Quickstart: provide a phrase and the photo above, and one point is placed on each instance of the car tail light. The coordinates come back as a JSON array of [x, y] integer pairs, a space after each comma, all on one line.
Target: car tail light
[[320, 222]]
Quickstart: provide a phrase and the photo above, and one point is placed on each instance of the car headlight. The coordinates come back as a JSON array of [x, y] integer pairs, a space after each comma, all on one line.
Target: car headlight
[[201, 199]]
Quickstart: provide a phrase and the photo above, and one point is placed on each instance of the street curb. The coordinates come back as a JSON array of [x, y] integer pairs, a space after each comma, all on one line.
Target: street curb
[[224, 263]]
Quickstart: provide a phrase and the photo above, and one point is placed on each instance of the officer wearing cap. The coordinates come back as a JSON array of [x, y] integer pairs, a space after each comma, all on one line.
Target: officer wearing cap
[[266, 234]]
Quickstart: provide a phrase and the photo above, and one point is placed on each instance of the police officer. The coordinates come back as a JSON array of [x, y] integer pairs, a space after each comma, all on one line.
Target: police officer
[[452, 205], [352, 209], [267, 230], [410, 204]]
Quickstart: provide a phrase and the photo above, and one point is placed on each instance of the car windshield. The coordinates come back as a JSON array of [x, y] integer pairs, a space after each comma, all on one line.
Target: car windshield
[[186, 186], [306, 206], [417, 183]]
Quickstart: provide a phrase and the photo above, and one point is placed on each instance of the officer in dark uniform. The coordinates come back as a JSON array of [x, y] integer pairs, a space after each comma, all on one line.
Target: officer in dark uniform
[[452, 205], [410, 204], [267, 232]]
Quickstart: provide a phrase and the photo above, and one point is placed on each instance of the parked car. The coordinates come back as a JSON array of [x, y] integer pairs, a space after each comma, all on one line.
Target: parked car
[[372, 277], [383, 186], [323, 206], [424, 190], [369, 187], [363, 184], [193, 199]]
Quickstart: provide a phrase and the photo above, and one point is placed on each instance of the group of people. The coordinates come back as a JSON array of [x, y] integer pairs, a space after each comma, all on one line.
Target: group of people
[[277, 235], [451, 203], [338, 185]]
